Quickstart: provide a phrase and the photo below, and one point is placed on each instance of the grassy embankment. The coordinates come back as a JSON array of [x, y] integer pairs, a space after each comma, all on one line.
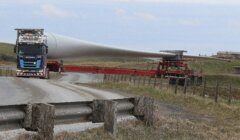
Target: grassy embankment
[[6, 53], [217, 70], [198, 118]]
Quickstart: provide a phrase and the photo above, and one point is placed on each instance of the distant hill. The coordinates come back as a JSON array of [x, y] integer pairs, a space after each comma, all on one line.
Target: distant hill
[[6, 52]]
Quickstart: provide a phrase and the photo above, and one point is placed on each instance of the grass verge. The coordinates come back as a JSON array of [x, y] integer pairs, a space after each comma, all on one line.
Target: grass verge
[[197, 118]]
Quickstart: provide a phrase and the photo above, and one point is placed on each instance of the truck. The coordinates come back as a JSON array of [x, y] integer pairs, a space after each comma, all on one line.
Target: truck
[[31, 53]]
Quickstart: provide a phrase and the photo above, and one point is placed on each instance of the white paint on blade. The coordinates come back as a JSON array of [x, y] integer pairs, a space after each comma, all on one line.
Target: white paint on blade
[[66, 47]]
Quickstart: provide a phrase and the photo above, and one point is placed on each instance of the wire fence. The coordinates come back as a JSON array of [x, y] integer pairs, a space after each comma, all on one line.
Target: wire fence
[[218, 90]]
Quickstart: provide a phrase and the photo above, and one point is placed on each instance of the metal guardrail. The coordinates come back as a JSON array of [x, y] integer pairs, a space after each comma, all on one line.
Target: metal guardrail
[[42, 117], [11, 116]]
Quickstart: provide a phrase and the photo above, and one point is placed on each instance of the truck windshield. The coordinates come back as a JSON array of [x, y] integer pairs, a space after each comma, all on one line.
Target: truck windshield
[[30, 50]]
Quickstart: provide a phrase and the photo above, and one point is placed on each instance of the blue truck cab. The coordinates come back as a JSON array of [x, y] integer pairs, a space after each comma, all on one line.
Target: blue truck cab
[[31, 53]]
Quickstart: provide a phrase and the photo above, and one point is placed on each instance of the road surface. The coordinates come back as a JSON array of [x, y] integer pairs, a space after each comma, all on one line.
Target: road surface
[[66, 89]]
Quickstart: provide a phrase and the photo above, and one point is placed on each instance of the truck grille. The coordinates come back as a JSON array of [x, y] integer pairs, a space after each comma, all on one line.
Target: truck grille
[[30, 64], [35, 64]]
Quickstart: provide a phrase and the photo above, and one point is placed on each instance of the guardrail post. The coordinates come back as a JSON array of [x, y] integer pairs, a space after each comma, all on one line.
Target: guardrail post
[[27, 124], [106, 111], [98, 111], [144, 108], [43, 120], [110, 117]]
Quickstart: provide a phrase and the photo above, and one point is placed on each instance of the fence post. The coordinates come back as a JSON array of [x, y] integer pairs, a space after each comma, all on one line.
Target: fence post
[[217, 91], [144, 79], [139, 79], [194, 85], [168, 83], [117, 78], [230, 93], [121, 79], [114, 78], [204, 87], [134, 80], [149, 80], [110, 77], [185, 85], [155, 82], [5, 72], [176, 85], [130, 79], [125, 77], [104, 78], [161, 82]]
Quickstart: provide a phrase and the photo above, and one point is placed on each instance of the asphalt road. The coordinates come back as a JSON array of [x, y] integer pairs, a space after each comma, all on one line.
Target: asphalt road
[[66, 89]]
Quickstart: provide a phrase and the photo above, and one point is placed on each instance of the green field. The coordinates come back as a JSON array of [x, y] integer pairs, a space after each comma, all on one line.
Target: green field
[[214, 67], [6, 52]]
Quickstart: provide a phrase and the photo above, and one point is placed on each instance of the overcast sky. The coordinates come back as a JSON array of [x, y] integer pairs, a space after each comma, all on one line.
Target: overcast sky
[[198, 26]]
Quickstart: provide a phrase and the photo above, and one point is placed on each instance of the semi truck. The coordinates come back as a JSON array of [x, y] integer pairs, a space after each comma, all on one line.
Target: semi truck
[[34, 49], [31, 52]]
